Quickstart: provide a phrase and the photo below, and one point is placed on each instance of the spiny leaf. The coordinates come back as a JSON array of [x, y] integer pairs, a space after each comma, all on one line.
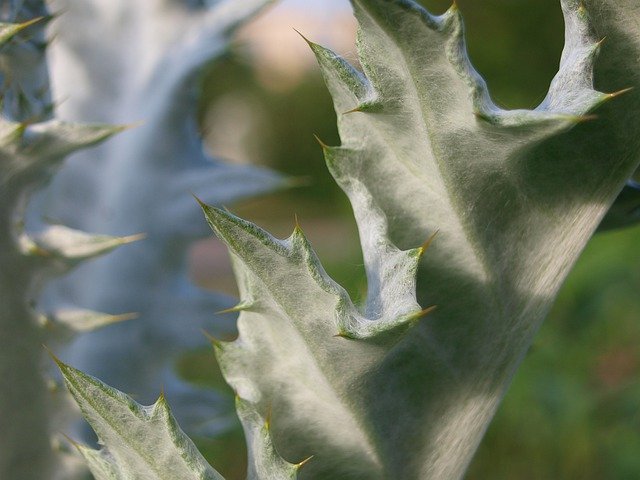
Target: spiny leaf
[[31, 148], [72, 246], [57, 139], [100, 463], [514, 195], [289, 342], [9, 30], [296, 254], [264, 461], [82, 320], [27, 149], [146, 443], [24, 79], [139, 442]]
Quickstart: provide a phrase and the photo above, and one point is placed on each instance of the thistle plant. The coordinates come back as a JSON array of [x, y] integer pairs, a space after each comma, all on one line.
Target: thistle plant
[[122, 61], [32, 147], [476, 211]]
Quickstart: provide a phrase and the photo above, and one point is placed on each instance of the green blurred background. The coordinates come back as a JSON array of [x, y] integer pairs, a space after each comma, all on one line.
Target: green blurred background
[[573, 409]]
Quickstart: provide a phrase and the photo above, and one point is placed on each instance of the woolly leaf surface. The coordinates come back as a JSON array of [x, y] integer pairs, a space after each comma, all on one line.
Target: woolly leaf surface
[[139, 442], [378, 391], [146, 443], [264, 461]]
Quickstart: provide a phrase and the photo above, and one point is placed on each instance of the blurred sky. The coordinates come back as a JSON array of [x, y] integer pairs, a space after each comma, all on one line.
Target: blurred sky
[[281, 57], [318, 4]]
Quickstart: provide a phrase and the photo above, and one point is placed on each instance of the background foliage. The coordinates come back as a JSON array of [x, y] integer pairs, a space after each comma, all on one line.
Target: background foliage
[[572, 412]]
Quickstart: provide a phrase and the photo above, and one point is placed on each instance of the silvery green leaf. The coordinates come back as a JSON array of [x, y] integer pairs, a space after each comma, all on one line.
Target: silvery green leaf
[[71, 245], [30, 153], [146, 443], [264, 461], [32, 148], [79, 320], [402, 388]]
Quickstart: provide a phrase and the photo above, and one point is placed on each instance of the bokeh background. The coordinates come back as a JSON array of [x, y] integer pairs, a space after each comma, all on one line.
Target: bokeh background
[[573, 411]]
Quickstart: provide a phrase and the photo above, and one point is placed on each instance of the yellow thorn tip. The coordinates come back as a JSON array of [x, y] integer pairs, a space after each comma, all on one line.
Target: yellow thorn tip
[[322, 144], [309, 42], [77, 445], [133, 238], [344, 335], [53, 356], [583, 118], [425, 246], [200, 202], [235, 309], [619, 92], [216, 342], [124, 317], [358, 109], [425, 312], [267, 420], [28, 23], [161, 398], [129, 126], [301, 464]]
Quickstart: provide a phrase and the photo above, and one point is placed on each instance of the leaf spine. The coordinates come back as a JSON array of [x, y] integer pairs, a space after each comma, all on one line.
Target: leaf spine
[[425, 246], [215, 342], [240, 307], [301, 464]]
